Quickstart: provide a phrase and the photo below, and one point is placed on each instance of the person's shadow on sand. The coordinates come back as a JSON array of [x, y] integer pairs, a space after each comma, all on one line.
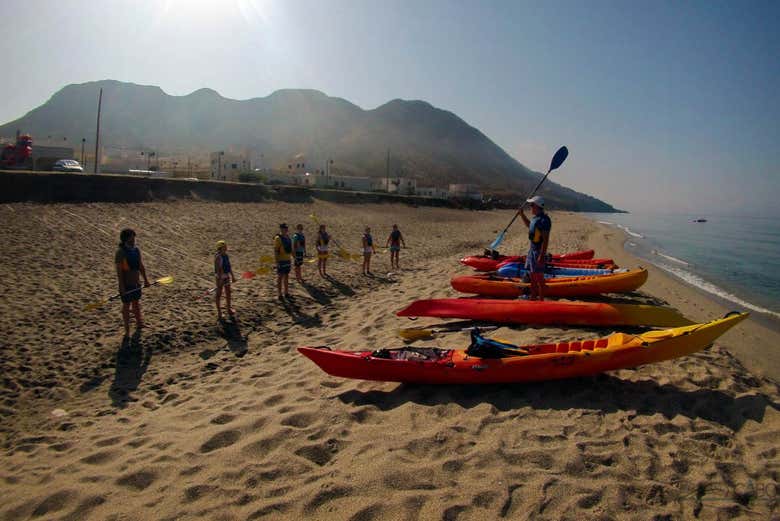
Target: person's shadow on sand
[[131, 363], [298, 316], [603, 393], [340, 286], [230, 330], [317, 294]]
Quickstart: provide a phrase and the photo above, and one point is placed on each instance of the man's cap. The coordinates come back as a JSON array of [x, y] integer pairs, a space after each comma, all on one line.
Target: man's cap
[[283, 225], [538, 200]]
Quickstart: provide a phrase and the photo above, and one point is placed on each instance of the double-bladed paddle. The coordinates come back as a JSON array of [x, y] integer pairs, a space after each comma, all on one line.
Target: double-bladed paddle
[[95, 305], [557, 160]]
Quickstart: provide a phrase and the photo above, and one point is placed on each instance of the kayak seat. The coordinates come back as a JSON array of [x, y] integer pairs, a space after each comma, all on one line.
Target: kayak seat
[[482, 347], [563, 347], [588, 345]]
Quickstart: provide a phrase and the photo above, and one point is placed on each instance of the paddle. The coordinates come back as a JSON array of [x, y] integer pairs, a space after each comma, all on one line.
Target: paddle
[[557, 160], [245, 275], [95, 305], [412, 334]]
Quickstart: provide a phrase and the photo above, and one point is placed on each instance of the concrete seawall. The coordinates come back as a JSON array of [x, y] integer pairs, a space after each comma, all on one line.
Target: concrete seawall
[[48, 187]]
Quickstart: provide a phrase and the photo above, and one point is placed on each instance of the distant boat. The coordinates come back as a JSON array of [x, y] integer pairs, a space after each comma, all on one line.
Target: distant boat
[[700, 220]]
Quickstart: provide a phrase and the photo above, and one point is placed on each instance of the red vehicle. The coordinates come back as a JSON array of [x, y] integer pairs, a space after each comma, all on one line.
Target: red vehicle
[[18, 155]]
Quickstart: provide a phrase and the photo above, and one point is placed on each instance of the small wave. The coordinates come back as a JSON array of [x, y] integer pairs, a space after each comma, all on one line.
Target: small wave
[[669, 257], [606, 222], [709, 287], [632, 244], [630, 232]]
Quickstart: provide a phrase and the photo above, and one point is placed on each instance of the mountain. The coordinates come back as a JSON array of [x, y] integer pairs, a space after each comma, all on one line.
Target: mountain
[[433, 145]]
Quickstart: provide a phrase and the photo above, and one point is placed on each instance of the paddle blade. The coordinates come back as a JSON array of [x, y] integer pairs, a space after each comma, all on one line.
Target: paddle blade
[[248, 274], [496, 243], [266, 259], [559, 157], [415, 334], [164, 280], [312, 260], [314, 218], [262, 270], [94, 305]]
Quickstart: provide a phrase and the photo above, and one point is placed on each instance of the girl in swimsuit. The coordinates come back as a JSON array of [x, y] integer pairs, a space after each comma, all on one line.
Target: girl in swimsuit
[[225, 277], [394, 241], [368, 249], [322, 251]]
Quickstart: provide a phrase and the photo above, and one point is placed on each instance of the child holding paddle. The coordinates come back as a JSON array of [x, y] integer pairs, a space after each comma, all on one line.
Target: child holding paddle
[[394, 241], [368, 249], [283, 254], [299, 248], [225, 277], [323, 238], [129, 270]]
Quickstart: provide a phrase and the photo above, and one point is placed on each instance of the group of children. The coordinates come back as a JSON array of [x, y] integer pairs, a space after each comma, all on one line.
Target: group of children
[[293, 249], [289, 253]]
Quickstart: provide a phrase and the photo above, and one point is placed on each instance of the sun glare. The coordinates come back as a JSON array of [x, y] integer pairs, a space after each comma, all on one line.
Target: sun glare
[[252, 12]]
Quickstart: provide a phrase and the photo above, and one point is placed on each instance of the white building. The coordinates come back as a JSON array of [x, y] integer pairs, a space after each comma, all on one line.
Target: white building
[[465, 191], [398, 185], [432, 191], [226, 166]]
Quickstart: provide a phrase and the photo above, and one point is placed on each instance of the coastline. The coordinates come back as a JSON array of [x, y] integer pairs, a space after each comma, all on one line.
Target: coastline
[[194, 421], [754, 343]]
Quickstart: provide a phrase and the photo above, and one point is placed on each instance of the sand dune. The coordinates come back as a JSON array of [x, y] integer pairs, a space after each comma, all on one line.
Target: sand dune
[[192, 419]]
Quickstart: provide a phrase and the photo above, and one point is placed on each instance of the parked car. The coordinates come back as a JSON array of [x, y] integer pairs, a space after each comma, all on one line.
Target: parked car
[[67, 165]]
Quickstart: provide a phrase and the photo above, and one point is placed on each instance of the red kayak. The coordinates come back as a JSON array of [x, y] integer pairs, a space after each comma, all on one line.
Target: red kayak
[[547, 312], [488, 361], [492, 263]]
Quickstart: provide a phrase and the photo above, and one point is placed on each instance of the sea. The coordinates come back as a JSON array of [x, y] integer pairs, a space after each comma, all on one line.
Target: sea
[[736, 259]]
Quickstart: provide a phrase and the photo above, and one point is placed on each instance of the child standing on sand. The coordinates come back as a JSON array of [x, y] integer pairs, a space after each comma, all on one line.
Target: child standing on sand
[[299, 248], [225, 277], [394, 241], [368, 249], [129, 265], [322, 251], [282, 255]]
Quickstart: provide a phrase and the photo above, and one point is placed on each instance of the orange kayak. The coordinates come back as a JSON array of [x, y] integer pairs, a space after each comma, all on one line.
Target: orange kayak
[[493, 286], [504, 363]]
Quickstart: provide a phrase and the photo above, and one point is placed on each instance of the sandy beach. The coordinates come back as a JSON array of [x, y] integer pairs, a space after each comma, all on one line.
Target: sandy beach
[[196, 420]]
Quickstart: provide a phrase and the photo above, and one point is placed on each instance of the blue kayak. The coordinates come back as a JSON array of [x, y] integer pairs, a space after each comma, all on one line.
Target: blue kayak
[[515, 269]]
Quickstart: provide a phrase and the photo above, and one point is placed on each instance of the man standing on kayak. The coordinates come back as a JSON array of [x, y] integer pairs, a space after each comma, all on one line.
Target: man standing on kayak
[[539, 235]]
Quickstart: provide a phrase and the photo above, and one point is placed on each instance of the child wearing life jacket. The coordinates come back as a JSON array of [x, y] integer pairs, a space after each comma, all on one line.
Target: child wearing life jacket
[[323, 238], [224, 275], [394, 241], [129, 265], [368, 249], [299, 249], [282, 254]]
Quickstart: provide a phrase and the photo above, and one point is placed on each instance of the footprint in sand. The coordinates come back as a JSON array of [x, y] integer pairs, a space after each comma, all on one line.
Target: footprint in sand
[[137, 480], [220, 440], [300, 420]]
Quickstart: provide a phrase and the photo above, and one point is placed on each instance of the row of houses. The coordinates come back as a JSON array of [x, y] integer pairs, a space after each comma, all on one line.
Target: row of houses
[[227, 166]]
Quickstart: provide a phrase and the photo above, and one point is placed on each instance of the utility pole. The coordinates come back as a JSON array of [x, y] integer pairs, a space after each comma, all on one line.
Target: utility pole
[[97, 133], [83, 142]]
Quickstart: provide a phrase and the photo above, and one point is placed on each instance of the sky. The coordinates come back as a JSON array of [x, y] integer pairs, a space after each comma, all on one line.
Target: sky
[[664, 106]]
